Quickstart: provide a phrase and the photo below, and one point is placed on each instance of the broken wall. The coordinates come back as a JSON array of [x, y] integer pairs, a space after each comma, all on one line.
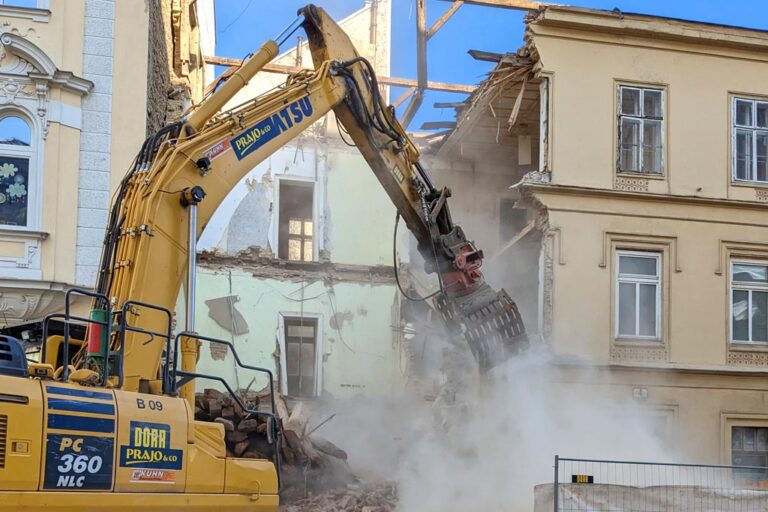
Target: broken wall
[[338, 274], [494, 147], [179, 32], [357, 350]]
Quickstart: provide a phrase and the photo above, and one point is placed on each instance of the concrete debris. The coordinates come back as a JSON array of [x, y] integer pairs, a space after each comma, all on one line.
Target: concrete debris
[[263, 264], [244, 435], [311, 463], [365, 498]]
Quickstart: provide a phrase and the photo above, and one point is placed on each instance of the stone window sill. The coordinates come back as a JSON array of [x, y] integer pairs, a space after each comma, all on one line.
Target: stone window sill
[[23, 233], [639, 342], [748, 347], [644, 175], [29, 13]]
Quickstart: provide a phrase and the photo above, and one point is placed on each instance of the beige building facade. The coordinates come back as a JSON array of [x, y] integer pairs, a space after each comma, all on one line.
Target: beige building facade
[[617, 169], [81, 84]]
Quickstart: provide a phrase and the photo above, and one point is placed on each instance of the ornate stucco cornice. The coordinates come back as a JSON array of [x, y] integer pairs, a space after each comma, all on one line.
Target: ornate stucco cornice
[[44, 67]]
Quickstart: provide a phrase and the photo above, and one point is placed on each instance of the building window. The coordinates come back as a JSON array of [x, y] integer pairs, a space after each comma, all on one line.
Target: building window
[[638, 295], [16, 157], [296, 228], [641, 130], [749, 302], [750, 140], [749, 447], [32, 4], [301, 356]]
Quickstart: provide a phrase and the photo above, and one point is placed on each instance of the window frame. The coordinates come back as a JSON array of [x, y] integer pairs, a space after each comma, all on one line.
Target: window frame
[[300, 181], [754, 129], [642, 118], [283, 374], [39, 4], [34, 182], [41, 13], [302, 238], [637, 280], [745, 287], [747, 475]]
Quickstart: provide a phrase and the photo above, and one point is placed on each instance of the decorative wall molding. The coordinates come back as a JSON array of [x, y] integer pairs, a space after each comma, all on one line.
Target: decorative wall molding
[[27, 74], [27, 304], [747, 358], [41, 14], [631, 350], [547, 285], [630, 184], [21, 257], [728, 248], [44, 68], [761, 194], [638, 353], [635, 240]]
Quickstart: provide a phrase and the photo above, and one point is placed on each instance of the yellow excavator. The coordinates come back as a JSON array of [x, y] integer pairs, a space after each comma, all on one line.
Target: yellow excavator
[[104, 417]]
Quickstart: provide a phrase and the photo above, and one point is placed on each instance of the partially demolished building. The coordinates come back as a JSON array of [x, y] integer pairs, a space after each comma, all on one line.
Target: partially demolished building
[[614, 170], [618, 163], [296, 271]]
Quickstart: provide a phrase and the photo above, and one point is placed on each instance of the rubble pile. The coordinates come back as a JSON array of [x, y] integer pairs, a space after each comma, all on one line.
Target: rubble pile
[[245, 436], [355, 498], [310, 463]]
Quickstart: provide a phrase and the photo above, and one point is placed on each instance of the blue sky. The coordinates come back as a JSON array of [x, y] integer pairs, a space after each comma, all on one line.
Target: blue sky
[[242, 25]]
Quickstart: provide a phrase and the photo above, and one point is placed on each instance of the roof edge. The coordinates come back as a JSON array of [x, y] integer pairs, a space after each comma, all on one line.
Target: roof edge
[[645, 25]]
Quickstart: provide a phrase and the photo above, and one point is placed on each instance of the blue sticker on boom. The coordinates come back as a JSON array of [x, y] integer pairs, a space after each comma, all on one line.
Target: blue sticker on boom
[[267, 129], [149, 448]]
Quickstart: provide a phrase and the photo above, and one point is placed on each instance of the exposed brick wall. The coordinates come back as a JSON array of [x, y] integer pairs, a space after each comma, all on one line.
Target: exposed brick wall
[[173, 58], [158, 81]]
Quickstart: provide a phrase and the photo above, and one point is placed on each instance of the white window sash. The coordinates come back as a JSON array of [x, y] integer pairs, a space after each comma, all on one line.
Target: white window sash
[[638, 280], [755, 130], [30, 153], [749, 287], [642, 118]]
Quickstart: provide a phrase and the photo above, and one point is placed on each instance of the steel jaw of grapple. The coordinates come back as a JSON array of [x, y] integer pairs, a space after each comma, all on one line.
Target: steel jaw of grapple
[[489, 321]]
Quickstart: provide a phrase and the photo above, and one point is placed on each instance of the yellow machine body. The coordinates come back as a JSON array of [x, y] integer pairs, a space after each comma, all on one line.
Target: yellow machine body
[[118, 450]]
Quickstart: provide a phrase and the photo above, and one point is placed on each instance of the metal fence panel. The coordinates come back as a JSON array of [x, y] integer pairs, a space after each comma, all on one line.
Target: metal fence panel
[[584, 485]]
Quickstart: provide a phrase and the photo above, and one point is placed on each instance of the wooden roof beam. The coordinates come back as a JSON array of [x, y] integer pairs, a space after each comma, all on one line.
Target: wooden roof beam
[[444, 18], [486, 56], [438, 125], [383, 80], [449, 104], [522, 5]]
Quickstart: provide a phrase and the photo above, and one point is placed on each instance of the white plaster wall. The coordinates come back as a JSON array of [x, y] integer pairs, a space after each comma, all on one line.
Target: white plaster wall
[[360, 357]]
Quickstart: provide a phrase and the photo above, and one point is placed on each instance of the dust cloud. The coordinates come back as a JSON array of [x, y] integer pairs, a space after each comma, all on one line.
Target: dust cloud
[[483, 444]]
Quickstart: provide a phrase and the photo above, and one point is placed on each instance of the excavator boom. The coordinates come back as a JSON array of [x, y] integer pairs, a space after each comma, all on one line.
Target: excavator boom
[[207, 153]]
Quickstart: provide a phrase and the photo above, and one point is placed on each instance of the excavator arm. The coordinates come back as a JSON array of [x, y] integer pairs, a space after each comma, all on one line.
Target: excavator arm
[[191, 165]]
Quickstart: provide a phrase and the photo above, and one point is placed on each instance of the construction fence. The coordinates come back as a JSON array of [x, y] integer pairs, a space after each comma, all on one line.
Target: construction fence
[[584, 485]]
